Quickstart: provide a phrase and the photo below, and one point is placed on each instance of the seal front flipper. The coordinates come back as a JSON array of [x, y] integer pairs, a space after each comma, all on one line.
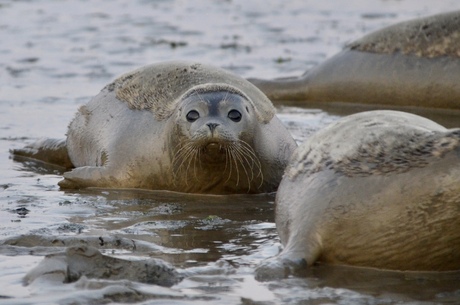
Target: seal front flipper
[[299, 254], [280, 267], [87, 176], [52, 151], [377, 189]]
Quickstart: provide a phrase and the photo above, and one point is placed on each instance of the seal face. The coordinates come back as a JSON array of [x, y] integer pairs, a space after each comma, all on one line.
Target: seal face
[[175, 126], [214, 134], [376, 189]]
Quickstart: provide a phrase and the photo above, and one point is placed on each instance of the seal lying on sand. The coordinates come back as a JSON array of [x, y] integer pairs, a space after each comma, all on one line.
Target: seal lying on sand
[[375, 189], [414, 63], [174, 126]]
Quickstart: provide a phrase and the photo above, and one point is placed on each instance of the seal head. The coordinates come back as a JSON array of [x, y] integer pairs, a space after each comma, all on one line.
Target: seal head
[[214, 130]]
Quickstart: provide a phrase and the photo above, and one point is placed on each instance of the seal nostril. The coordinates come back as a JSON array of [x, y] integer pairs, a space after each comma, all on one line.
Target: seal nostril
[[212, 126]]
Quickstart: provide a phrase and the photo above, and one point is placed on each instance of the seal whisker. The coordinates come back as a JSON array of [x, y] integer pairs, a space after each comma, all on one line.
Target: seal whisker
[[197, 157], [194, 159], [248, 158], [225, 96], [232, 157], [239, 154], [186, 153], [200, 96], [228, 160], [245, 147], [181, 155], [181, 152], [191, 159]]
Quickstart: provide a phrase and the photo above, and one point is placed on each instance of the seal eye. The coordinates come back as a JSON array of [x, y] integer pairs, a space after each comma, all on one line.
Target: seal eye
[[192, 116], [234, 115]]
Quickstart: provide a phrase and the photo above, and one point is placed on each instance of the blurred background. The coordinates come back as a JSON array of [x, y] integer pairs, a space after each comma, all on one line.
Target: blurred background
[[68, 49]]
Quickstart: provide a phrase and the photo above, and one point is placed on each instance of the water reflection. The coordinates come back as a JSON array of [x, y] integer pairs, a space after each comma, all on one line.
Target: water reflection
[[204, 227]]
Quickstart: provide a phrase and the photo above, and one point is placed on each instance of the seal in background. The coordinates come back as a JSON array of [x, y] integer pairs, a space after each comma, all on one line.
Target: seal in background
[[412, 63]]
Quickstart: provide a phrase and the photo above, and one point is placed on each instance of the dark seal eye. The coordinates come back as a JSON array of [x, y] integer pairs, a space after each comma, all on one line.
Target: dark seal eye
[[234, 115], [192, 116]]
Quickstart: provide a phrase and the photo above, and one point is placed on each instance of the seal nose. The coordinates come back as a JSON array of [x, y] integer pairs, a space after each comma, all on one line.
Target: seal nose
[[212, 126]]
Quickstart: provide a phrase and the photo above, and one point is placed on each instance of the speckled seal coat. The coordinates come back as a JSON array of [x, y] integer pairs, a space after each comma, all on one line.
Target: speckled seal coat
[[413, 63], [375, 189], [177, 126]]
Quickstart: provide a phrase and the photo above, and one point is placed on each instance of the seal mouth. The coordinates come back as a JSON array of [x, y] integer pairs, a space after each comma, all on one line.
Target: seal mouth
[[214, 147], [236, 161]]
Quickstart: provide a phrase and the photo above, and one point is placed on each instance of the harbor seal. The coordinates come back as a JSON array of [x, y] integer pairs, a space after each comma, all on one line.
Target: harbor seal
[[376, 189], [175, 126], [413, 63]]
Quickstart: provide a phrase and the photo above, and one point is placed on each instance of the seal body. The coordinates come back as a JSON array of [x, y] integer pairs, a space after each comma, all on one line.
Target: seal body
[[413, 63], [178, 126], [375, 189]]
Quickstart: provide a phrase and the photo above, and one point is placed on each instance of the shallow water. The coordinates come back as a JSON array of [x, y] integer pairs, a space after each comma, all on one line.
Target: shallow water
[[55, 55]]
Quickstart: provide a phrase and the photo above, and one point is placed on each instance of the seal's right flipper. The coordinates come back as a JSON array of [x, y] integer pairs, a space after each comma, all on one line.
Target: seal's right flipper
[[280, 267], [88, 176], [53, 151]]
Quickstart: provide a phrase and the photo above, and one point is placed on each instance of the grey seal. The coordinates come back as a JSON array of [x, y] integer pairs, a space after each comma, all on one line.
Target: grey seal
[[377, 189], [175, 126], [413, 63]]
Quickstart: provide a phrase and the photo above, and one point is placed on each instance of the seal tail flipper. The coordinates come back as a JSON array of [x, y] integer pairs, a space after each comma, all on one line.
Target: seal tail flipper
[[53, 151], [289, 88]]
